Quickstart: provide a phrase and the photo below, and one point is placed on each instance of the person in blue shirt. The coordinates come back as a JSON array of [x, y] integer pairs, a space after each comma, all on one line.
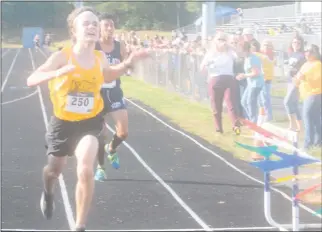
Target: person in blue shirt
[[253, 73], [296, 58]]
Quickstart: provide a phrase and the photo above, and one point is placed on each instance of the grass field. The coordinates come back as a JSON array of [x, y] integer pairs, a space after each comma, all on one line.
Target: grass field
[[193, 117], [11, 45]]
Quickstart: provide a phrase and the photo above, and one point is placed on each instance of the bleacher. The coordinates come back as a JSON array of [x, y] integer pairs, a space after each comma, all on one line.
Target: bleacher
[[262, 26], [265, 26]]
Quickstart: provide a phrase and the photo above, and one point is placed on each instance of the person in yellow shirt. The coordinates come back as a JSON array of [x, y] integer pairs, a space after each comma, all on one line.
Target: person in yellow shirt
[[267, 57], [309, 81], [75, 76]]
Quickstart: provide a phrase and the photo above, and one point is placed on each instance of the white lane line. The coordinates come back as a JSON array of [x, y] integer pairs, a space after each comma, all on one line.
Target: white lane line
[[5, 53], [221, 158], [211, 229], [67, 205], [9, 71], [19, 99], [165, 185], [43, 53]]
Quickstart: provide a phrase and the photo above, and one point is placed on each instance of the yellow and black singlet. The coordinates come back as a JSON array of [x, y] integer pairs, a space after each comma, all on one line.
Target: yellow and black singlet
[[76, 96]]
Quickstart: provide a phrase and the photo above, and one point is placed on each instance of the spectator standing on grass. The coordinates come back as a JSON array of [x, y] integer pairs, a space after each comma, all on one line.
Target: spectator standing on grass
[[254, 75], [291, 101], [265, 53], [219, 63], [265, 110], [309, 81], [236, 42]]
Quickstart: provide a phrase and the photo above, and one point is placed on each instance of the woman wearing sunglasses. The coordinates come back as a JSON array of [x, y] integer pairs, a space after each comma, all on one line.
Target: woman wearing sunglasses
[[308, 79], [291, 101], [219, 63]]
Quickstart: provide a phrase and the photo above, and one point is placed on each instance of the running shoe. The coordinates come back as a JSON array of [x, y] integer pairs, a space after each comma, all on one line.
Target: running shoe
[[100, 174], [47, 205], [113, 158], [236, 129]]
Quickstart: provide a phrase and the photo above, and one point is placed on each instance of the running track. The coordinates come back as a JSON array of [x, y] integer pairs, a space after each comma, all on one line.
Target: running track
[[166, 181]]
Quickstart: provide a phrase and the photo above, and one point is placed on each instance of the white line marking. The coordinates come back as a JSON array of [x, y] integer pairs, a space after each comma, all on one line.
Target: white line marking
[[9, 71], [211, 229], [221, 158], [165, 185], [19, 99], [5, 53], [43, 53], [68, 207]]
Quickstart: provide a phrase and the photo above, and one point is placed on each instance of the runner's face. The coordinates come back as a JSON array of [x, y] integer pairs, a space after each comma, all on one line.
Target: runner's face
[[86, 27], [107, 28]]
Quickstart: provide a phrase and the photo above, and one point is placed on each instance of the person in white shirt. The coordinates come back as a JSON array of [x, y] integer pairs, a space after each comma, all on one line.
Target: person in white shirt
[[219, 63]]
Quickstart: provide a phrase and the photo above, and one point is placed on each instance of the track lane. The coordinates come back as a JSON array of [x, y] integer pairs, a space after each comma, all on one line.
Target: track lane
[[23, 157]]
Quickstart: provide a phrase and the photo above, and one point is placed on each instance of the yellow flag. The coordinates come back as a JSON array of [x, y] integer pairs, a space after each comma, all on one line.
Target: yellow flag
[[298, 177]]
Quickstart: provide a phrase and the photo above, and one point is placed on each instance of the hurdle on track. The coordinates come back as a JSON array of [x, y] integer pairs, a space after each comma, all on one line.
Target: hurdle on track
[[295, 226]]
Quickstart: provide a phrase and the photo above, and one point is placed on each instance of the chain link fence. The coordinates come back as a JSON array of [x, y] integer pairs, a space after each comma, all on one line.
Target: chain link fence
[[179, 72]]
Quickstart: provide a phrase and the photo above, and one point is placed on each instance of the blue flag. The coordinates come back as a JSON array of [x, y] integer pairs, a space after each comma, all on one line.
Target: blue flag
[[286, 161]]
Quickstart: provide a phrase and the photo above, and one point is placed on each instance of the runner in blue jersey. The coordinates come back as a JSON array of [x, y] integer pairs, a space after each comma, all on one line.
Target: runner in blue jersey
[[114, 104]]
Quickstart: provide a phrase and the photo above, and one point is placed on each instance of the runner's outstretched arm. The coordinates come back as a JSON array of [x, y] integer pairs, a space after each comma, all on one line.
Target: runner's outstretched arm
[[111, 73], [53, 67]]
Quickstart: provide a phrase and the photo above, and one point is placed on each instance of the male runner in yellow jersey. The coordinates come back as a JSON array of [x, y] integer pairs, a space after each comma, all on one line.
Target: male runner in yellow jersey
[[75, 76]]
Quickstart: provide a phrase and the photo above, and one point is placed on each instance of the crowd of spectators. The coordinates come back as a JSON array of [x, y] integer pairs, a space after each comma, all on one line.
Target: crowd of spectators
[[240, 71]]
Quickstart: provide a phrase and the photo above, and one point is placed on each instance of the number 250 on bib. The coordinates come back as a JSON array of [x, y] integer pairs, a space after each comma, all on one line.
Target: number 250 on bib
[[80, 102]]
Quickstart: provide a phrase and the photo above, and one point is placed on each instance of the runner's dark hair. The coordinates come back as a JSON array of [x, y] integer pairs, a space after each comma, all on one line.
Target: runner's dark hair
[[106, 16]]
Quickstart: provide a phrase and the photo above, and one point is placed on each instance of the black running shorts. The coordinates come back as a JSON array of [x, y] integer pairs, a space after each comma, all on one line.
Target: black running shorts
[[62, 136], [113, 100]]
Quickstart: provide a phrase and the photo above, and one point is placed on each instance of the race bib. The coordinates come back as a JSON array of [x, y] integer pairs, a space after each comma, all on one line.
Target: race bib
[[81, 103]]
